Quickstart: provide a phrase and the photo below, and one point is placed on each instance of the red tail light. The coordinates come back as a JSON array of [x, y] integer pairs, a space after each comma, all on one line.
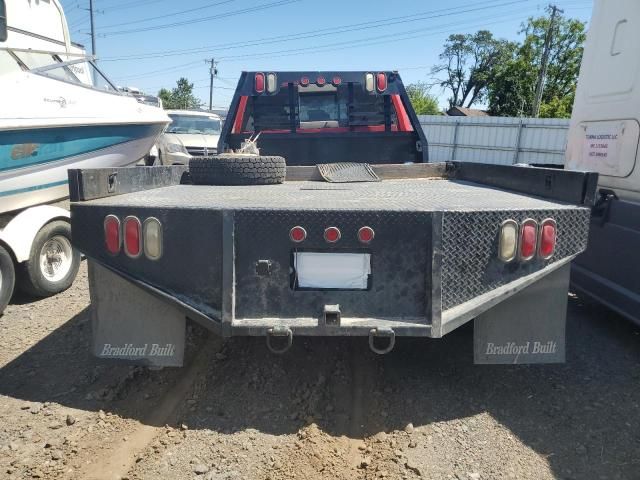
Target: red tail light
[[259, 82], [112, 234], [132, 237], [297, 234], [366, 234], [304, 81], [547, 241], [332, 234], [528, 239], [381, 82], [321, 81], [336, 81]]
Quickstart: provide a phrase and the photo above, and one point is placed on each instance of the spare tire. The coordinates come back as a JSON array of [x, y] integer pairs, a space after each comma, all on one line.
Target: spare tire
[[232, 169]]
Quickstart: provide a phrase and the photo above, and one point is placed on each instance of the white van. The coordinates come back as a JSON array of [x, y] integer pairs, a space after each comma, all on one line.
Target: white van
[[603, 137]]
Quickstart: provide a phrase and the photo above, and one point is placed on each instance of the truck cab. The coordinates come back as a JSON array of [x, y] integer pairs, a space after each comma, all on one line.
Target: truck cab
[[603, 137], [326, 117]]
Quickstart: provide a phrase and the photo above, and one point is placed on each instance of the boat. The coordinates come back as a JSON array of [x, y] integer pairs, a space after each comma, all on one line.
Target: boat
[[59, 110]]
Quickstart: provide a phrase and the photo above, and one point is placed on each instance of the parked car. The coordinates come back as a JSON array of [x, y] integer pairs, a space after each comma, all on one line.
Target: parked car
[[190, 134]]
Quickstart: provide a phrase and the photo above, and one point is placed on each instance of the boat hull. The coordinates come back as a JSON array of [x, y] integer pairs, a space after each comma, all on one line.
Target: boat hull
[[34, 162]]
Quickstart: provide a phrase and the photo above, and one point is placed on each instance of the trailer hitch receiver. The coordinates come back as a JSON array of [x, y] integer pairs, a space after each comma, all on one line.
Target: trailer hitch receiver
[[284, 339], [385, 333]]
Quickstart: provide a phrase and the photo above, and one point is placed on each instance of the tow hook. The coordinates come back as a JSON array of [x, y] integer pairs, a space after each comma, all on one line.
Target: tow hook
[[284, 336], [387, 333]]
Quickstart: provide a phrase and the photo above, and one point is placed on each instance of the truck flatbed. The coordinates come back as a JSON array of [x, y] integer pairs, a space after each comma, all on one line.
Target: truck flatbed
[[420, 195]]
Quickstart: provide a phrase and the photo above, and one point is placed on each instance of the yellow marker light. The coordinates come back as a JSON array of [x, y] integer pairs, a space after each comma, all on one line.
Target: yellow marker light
[[508, 247], [271, 82], [368, 82], [152, 229]]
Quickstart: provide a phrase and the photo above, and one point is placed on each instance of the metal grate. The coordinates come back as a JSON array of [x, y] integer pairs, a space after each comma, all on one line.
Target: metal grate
[[347, 172]]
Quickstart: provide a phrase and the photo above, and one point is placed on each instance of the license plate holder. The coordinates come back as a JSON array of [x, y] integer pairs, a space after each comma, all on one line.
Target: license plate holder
[[331, 271]]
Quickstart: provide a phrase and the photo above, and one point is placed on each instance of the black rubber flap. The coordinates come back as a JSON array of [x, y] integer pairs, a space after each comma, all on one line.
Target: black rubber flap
[[347, 172]]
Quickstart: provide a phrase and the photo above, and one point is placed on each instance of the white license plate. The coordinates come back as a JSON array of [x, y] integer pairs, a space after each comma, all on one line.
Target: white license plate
[[344, 271]]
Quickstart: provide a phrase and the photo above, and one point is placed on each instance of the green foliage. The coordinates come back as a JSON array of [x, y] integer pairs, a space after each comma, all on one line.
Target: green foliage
[[468, 62], [558, 107], [423, 102], [181, 97], [513, 83]]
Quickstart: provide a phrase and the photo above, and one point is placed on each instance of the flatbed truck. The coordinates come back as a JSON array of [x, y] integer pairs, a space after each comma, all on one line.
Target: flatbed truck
[[324, 216]]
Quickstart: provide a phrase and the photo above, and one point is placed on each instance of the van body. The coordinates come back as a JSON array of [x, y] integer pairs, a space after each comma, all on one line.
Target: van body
[[603, 137]]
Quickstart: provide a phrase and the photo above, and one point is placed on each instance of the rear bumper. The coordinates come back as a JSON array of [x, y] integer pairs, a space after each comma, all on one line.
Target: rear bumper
[[102, 287], [136, 323]]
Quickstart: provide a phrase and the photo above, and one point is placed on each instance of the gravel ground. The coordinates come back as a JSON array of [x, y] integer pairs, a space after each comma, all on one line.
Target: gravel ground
[[326, 409]]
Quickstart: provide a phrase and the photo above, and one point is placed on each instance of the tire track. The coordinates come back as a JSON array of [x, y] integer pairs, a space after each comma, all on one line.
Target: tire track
[[118, 461]]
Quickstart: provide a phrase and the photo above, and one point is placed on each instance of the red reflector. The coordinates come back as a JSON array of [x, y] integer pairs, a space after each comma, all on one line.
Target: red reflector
[[321, 81], [132, 243], [528, 239], [366, 234], [304, 81], [332, 234], [381, 82], [112, 234], [297, 234], [547, 238], [259, 82], [336, 80]]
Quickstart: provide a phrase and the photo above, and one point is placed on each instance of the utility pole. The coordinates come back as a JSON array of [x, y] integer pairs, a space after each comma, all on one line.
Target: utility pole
[[93, 32], [542, 75], [213, 72]]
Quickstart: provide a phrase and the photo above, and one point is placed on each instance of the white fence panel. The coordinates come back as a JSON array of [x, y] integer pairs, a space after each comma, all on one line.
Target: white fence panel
[[497, 140]]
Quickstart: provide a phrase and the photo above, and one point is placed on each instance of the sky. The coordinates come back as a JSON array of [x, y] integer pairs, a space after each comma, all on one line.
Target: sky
[[149, 44]]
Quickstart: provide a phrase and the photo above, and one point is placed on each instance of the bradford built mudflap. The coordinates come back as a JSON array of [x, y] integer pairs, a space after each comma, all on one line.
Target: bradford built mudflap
[[419, 253]]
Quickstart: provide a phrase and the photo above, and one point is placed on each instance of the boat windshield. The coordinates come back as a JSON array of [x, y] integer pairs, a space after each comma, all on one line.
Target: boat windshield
[[73, 68], [181, 123]]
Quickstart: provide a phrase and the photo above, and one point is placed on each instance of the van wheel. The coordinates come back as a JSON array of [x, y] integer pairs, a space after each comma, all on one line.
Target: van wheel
[[53, 262], [7, 278], [232, 169]]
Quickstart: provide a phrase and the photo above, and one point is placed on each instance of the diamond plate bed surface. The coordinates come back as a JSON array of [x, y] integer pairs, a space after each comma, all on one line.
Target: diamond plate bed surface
[[425, 195], [470, 265]]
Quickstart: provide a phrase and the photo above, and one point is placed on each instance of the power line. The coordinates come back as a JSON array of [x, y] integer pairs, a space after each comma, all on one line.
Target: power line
[[375, 40], [369, 41], [278, 3], [148, 19], [168, 69], [126, 5], [427, 15]]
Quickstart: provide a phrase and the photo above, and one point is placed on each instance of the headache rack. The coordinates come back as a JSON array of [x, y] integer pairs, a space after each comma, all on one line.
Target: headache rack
[[366, 116]]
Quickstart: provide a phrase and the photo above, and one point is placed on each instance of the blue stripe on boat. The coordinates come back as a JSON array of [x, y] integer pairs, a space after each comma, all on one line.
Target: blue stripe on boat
[[33, 188], [24, 148]]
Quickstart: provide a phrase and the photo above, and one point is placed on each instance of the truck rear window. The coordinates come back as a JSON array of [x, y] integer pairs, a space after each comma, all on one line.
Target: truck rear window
[[314, 108]]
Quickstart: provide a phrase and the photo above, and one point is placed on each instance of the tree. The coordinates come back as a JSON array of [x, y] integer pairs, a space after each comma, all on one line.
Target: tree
[[467, 65], [181, 97], [423, 102], [512, 87]]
